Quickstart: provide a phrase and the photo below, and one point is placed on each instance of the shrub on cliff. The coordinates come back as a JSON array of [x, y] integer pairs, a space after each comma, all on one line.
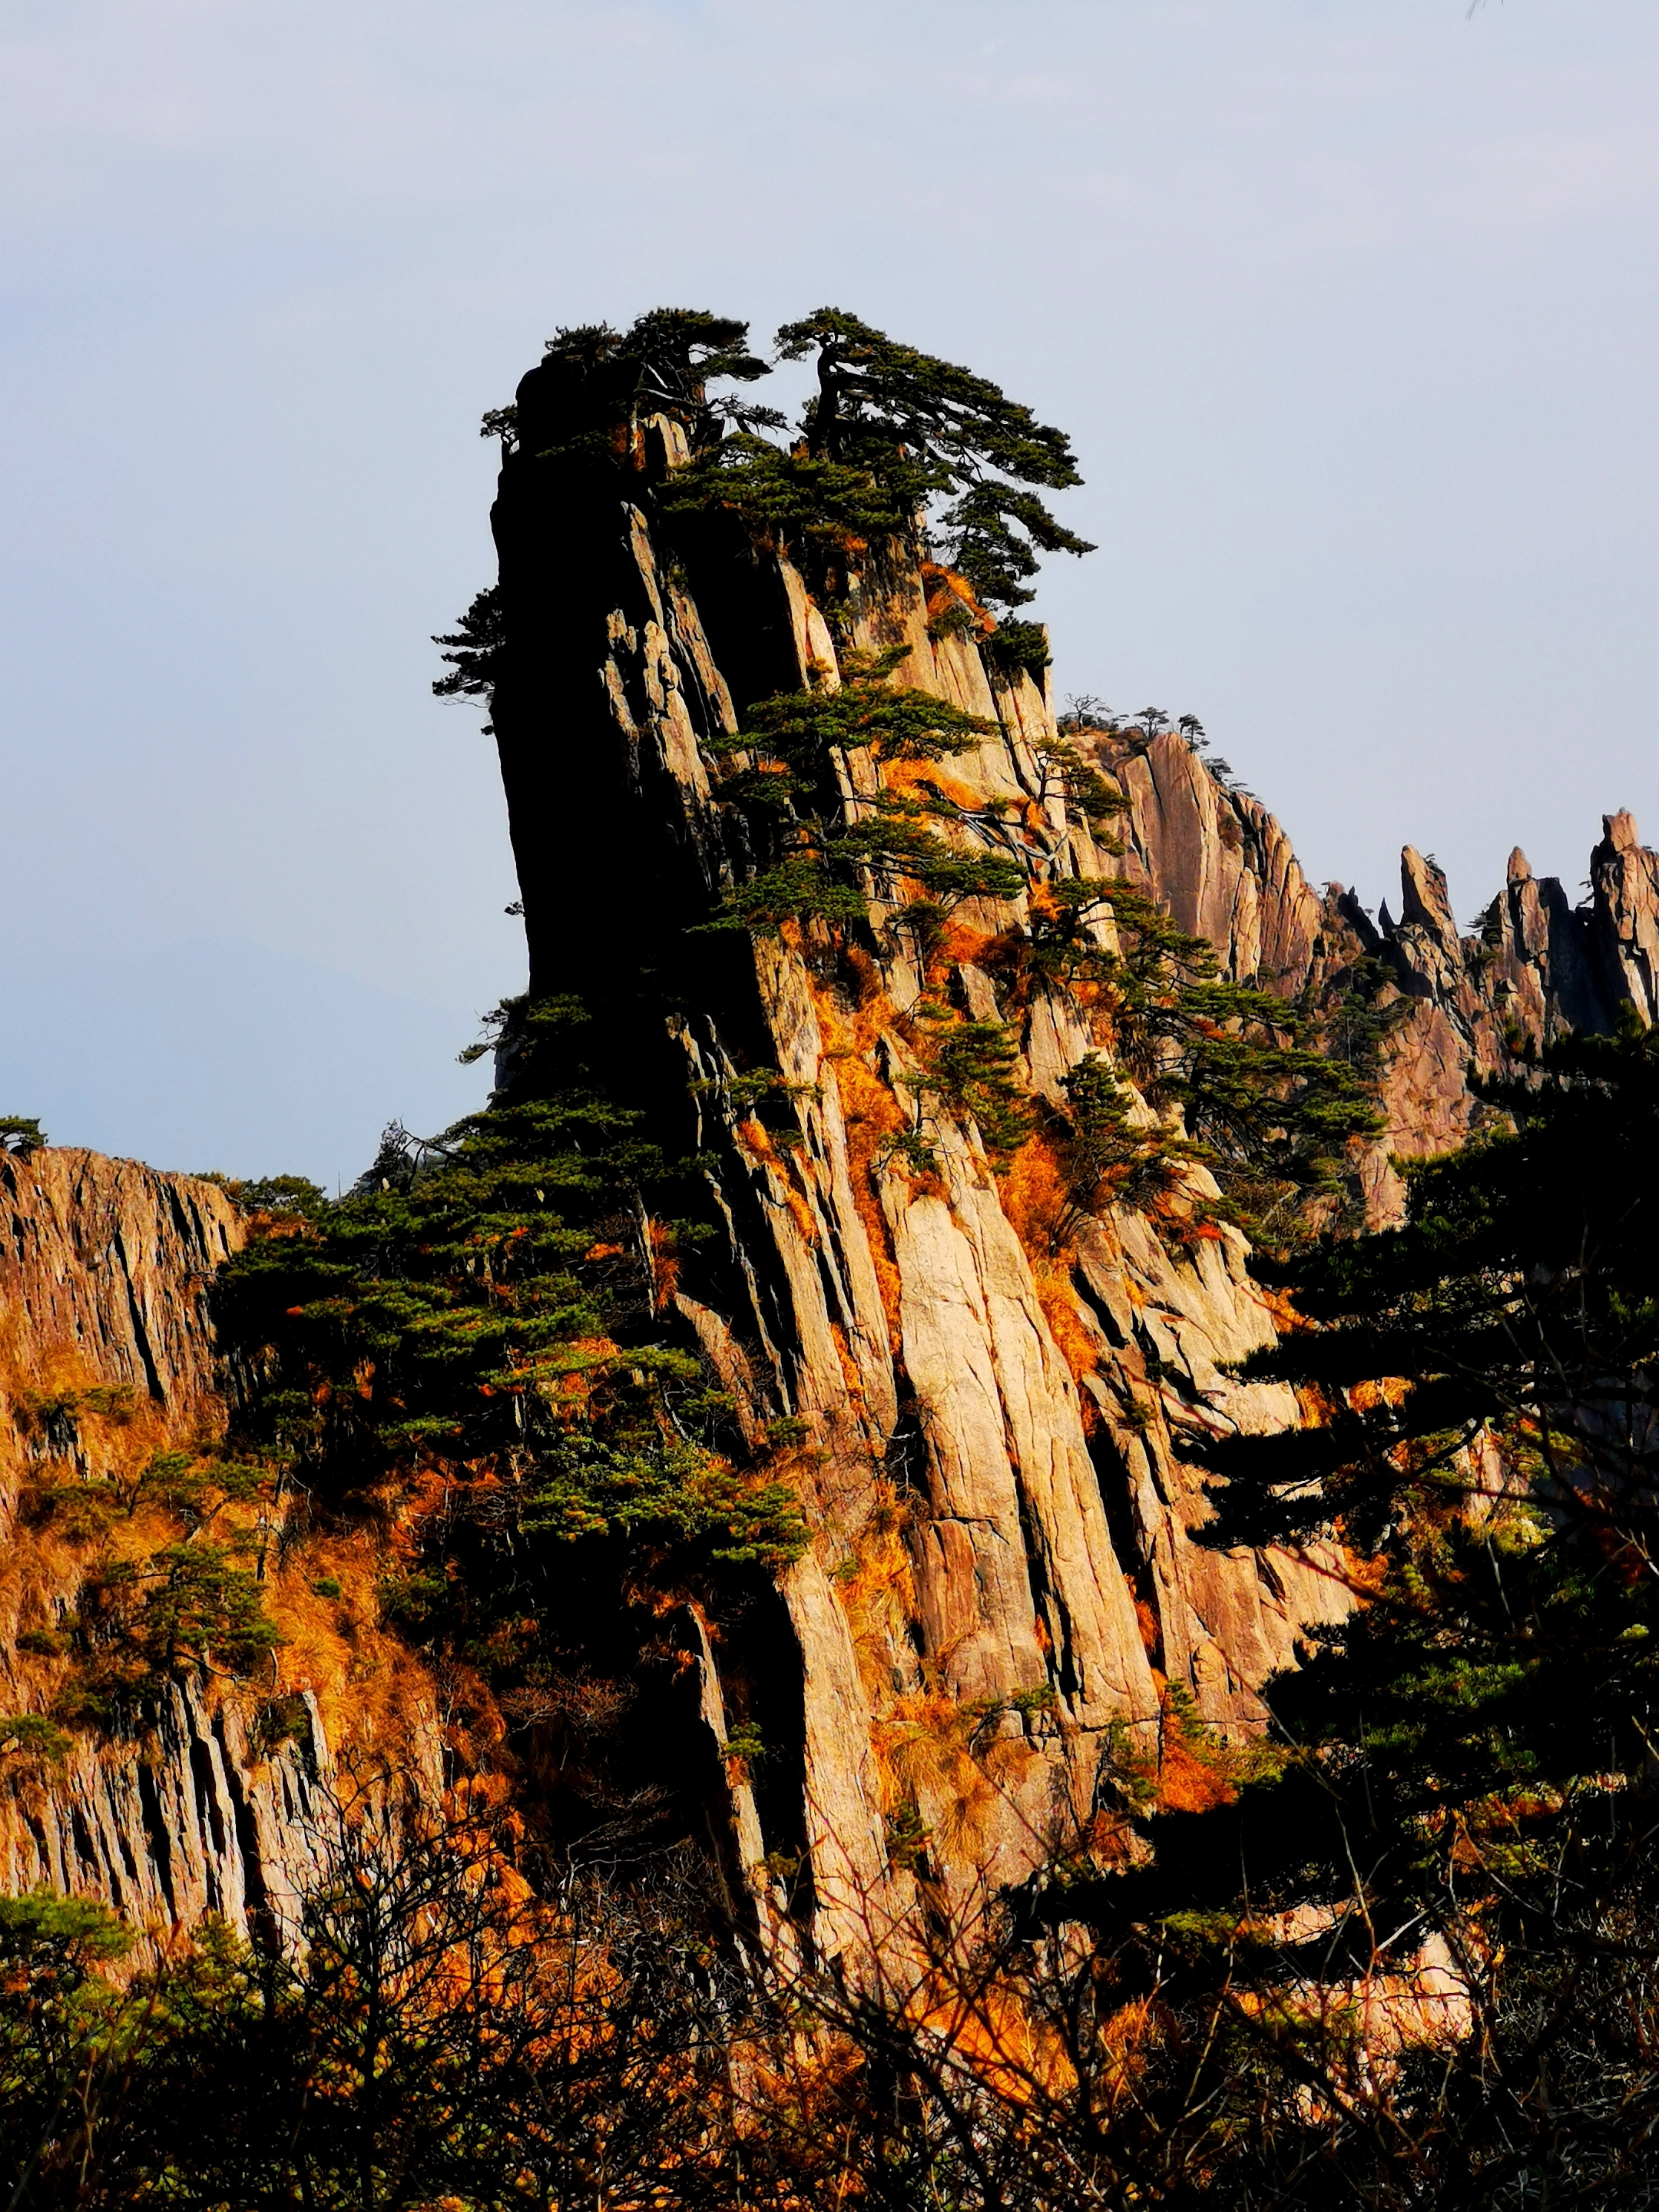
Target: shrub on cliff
[[21, 1136], [467, 1348], [831, 853], [1265, 1104]]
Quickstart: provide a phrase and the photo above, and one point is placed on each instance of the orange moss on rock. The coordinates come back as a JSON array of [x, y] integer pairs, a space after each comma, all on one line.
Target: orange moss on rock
[[872, 1115], [756, 1140]]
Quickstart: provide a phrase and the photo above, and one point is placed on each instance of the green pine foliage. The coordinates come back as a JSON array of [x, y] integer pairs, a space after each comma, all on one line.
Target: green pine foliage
[[1265, 1103], [970, 1067], [31, 1737], [1518, 1299], [896, 449], [900, 455], [472, 1308], [833, 853], [1013, 646], [1469, 1756], [474, 651], [895, 445], [929, 432], [1115, 1154], [1265, 1106]]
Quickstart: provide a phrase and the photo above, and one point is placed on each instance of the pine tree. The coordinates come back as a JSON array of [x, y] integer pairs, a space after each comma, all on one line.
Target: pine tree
[[1263, 1103], [896, 444], [831, 853], [1470, 1756], [937, 435]]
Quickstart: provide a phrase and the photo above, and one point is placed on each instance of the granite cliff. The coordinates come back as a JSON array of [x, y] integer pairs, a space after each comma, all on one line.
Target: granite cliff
[[996, 1402], [109, 1372], [1467, 1005], [1002, 1413]]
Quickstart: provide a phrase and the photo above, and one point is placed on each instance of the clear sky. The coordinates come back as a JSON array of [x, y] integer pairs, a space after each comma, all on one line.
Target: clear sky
[[1349, 306]]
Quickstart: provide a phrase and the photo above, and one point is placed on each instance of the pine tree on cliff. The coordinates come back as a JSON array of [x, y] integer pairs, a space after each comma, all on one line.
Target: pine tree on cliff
[[895, 441], [939, 437], [896, 444], [1470, 1756]]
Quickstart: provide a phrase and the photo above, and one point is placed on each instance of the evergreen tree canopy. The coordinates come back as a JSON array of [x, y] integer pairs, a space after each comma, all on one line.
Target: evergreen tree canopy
[[1470, 1756], [893, 440], [937, 435], [831, 852], [478, 1304], [1520, 1300], [473, 650], [1265, 1104]]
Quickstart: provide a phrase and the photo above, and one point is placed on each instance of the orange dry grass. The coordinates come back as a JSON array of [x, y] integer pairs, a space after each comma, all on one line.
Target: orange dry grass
[[992, 2033], [1277, 1306], [871, 1115], [878, 1595], [928, 776], [756, 1140], [1194, 1773], [1036, 1200], [923, 1746], [665, 1264], [45, 1565], [1191, 1781], [960, 946], [1078, 1349], [944, 588], [568, 1374], [370, 1689], [849, 1369], [858, 963], [1390, 1390]]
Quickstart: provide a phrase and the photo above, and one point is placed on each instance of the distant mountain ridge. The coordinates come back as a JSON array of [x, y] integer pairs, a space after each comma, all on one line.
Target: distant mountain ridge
[[1538, 966]]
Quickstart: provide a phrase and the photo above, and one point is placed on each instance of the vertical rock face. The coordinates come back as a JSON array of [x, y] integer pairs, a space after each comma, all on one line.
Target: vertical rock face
[[1001, 1573], [107, 1356], [104, 1273], [104, 1268], [1219, 862]]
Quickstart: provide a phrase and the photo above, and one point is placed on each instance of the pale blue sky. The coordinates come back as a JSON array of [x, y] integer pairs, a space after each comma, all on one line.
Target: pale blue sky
[[1348, 304]]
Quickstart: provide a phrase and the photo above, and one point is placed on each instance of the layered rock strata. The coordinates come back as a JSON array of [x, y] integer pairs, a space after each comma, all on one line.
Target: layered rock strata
[[998, 1407], [107, 1358]]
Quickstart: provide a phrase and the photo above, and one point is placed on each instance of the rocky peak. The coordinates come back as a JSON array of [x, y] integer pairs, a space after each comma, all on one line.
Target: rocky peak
[[997, 1401], [1536, 967]]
